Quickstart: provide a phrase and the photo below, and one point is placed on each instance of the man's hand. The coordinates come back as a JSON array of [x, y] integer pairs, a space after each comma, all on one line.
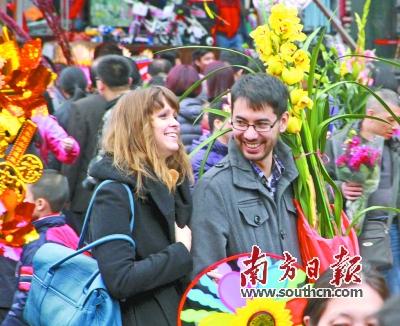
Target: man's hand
[[183, 235], [352, 190]]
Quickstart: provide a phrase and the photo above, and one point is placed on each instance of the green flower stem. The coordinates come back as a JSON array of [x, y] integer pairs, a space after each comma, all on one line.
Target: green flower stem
[[321, 203]]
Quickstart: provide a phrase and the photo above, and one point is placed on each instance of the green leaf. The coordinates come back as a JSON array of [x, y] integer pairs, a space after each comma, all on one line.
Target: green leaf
[[310, 38], [197, 83], [210, 48], [218, 112], [379, 99], [210, 139], [361, 213], [388, 61]]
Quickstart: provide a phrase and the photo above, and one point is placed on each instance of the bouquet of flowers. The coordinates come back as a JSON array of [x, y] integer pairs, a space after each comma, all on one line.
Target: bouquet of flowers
[[359, 163]]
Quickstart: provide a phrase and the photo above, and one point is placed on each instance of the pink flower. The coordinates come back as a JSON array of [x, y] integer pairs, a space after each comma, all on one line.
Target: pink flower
[[355, 155]]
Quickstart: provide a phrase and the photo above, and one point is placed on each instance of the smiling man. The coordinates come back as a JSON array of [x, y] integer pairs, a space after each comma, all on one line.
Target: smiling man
[[246, 199]]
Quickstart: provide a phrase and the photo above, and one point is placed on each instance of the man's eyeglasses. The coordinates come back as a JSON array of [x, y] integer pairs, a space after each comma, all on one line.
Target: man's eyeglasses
[[258, 126]]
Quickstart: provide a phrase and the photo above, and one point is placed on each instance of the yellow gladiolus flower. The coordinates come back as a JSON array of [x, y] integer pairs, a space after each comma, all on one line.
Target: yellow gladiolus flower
[[280, 12], [296, 34], [300, 99], [292, 75], [262, 39], [301, 60], [296, 95], [275, 65], [294, 125], [287, 50]]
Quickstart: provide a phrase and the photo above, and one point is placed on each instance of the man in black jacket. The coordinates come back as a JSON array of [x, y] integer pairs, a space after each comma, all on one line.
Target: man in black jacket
[[85, 123]]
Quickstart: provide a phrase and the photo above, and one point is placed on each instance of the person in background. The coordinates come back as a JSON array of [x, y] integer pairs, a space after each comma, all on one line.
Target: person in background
[[171, 55], [219, 148], [227, 24], [221, 79], [136, 79], [86, 122], [200, 59], [233, 58], [387, 193], [8, 285], [146, 279], [179, 79], [49, 195], [73, 85], [158, 70], [389, 314], [349, 311], [52, 138]]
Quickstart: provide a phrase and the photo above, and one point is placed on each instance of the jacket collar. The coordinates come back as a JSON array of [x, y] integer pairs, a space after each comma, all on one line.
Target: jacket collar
[[173, 206], [245, 177], [49, 222]]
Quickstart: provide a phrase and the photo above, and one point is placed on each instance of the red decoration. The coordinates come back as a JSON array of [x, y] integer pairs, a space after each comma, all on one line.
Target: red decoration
[[50, 14], [12, 24], [76, 8], [313, 245]]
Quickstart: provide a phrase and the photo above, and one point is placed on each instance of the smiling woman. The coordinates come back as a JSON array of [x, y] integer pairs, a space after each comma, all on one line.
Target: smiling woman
[[143, 150]]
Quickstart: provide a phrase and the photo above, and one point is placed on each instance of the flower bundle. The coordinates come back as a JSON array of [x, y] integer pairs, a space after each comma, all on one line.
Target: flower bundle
[[360, 163], [358, 157], [275, 44]]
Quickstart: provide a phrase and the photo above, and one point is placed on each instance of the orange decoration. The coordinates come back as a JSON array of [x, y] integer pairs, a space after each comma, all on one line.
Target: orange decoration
[[23, 80]]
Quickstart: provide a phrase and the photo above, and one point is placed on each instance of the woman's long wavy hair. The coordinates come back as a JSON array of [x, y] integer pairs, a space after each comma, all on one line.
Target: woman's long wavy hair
[[129, 138]]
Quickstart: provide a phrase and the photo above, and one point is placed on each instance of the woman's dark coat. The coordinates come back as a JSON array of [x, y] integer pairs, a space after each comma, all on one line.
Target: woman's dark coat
[[147, 280]]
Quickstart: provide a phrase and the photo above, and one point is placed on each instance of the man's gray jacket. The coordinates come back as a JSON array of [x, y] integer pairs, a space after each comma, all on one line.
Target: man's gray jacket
[[233, 210]]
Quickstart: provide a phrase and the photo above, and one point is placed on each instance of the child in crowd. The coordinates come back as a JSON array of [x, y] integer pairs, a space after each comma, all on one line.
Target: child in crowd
[[49, 195]]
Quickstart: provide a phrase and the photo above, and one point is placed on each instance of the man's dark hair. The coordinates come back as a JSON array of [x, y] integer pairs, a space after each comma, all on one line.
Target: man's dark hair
[[157, 81], [106, 48], [53, 187], [135, 74], [257, 65], [159, 66], [198, 53], [170, 56], [233, 58], [114, 70], [260, 89]]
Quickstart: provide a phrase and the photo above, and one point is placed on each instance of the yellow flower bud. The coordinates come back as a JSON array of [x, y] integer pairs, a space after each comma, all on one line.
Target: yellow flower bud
[[301, 60], [300, 99], [294, 125], [287, 50], [292, 75], [275, 65]]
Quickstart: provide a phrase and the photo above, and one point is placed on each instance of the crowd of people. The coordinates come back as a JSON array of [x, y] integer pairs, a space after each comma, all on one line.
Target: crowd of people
[[189, 211]]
